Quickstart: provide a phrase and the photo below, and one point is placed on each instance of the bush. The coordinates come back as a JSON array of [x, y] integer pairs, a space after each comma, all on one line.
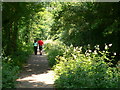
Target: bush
[[12, 64], [89, 70], [9, 74], [21, 56], [53, 49]]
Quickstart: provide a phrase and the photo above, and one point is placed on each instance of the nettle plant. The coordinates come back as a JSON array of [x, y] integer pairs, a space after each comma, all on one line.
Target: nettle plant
[[76, 69]]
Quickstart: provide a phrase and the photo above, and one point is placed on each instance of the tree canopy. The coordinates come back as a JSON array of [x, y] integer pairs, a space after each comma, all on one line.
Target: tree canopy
[[76, 23]]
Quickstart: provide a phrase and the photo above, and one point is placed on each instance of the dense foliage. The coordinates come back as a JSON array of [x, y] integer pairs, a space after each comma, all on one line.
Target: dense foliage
[[81, 24], [9, 73], [77, 28], [53, 49], [17, 25], [89, 70], [75, 69]]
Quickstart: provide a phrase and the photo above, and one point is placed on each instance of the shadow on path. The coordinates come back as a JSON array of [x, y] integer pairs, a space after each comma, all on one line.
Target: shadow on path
[[36, 73]]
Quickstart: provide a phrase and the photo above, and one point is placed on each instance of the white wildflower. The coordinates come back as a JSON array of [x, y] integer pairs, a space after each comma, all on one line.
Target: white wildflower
[[98, 46], [110, 45], [88, 45], [106, 47], [114, 53], [103, 51], [87, 54], [95, 51], [90, 50], [74, 49], [80, 48], [5, 57], [74, 56], [94, 46]]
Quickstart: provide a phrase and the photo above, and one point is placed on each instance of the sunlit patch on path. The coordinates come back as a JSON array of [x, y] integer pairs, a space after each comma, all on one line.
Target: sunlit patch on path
[[36, 74]]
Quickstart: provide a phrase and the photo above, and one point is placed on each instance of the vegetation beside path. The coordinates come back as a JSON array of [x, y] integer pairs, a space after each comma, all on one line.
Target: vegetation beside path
[[12, 65], [77, 69]]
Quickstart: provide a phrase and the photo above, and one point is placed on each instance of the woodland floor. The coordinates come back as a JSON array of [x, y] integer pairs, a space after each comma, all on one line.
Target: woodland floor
[[36, 73]]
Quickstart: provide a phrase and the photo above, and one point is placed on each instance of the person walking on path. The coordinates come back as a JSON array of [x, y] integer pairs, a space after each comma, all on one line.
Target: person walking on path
[[35, 47], [40, 42]]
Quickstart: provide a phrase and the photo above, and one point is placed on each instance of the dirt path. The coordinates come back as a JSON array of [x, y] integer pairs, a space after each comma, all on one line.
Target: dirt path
[[36, 73]]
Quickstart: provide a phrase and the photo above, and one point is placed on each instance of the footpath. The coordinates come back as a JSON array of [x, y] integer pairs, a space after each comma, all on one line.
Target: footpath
[[36, 73]]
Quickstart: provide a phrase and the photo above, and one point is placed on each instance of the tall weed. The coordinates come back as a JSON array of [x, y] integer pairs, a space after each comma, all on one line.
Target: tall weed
[[76, 69]]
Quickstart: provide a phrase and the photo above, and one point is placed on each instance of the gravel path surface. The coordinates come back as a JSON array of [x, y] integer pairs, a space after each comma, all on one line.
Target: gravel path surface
[[36, 73]]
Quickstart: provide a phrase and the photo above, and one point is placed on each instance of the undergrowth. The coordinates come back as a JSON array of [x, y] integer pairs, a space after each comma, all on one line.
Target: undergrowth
[[12, 65], [53, 49], [75, 69]]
